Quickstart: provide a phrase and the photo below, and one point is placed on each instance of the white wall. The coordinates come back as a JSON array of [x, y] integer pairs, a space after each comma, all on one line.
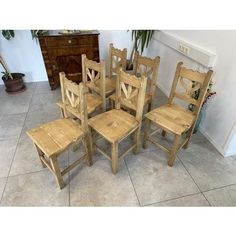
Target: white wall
[[22, 54], [220, 110]]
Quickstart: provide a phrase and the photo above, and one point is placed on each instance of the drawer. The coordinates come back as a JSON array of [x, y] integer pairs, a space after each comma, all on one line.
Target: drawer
[[69, 41]]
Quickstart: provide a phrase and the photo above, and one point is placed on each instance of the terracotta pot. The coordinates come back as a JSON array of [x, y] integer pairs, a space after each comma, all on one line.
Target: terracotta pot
[[16, 85]]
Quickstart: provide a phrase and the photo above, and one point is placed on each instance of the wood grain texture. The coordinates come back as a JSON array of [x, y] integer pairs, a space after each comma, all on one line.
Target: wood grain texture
[[53, 138], [175, 119], [116, 124]]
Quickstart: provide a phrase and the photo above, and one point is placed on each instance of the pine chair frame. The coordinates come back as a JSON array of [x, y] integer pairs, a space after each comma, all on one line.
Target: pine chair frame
[[75, 94], [136, 87], [117, 57], [94, 75], [147, 67], [201, 81]]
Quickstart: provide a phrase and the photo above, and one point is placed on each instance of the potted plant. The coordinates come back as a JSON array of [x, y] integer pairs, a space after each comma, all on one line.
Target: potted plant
[[195, 95], [12, 81], [141, 39]]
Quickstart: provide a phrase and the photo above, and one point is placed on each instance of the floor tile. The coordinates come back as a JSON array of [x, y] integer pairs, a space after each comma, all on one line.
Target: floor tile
[[44, 87], [15, 104], [2, 186], [188, 201], [98, 186], [208, 168], [35, 189], [11, 126], [26, 159], [155, 181], [7, 150], [225, 196], [45, 102]]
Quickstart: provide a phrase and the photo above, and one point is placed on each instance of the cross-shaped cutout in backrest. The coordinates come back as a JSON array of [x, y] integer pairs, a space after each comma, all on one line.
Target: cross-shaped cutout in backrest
[[130, 92], [94, 77], [74, 99]]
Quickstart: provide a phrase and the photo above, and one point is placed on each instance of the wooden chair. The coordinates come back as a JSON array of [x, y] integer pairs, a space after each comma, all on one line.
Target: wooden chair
[[149, 68], [117, 60], [53, 138], [116, 124], [173, 118], [93, 74]]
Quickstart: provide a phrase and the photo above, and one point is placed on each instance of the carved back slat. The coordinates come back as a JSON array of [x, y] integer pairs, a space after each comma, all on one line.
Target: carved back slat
[[147, 67], [117, 59], [93, 74], [186, 83], [130, 92], [74, 99]]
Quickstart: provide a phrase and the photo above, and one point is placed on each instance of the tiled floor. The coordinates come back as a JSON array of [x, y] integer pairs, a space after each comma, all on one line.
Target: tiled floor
[[200, 176]]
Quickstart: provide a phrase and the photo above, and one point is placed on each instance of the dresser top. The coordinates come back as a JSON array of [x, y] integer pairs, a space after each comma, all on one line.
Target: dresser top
[[80, 32]]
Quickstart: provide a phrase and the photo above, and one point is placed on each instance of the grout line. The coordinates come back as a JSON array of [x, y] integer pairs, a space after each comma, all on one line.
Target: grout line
[[192, 194], [192, 178], [225, 186], [132, 182], [17, 145], [44, 169]]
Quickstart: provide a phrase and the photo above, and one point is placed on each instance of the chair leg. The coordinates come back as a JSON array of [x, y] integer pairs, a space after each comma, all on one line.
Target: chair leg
[[147, 124], [114, 156], [92, 140], [189, 135], [174, 150], [57, 172], [40, 154], [137, 137], [149, 106], [87, 142], [163, 133]]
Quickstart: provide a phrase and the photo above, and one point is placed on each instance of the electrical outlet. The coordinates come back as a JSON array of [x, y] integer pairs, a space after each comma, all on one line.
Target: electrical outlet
[[183, 49]]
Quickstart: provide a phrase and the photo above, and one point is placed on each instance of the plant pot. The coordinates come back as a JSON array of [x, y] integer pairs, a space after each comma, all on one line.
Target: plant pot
[[201, 113], [16, 85]]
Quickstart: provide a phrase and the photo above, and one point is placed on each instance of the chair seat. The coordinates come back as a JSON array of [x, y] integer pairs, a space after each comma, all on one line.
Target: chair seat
[[146, 100], [55, 136], [114, 125], [172, 117], [93, 102]]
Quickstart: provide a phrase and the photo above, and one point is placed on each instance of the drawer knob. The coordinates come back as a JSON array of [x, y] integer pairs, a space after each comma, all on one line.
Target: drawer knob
[[69, 41]]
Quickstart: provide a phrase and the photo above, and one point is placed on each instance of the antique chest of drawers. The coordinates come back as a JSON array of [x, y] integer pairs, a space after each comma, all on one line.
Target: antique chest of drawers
[[62, 53]]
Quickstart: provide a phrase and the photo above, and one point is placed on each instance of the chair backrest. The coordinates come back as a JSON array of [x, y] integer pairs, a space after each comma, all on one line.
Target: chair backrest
[[74, 99], [93, 74], [117, 60], [189, 81], [130, 92], [149, 68]]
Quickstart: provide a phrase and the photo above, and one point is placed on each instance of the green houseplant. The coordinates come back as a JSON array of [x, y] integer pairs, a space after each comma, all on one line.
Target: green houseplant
[[141, 39]]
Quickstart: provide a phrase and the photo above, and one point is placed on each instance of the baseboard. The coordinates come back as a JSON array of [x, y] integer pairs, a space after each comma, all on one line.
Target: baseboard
[[39, 79], [163, 89]]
